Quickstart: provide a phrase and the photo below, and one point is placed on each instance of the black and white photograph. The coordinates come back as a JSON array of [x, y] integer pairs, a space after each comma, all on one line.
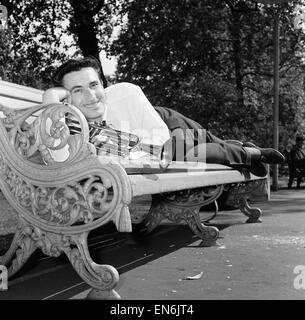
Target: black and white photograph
[[152, 152]]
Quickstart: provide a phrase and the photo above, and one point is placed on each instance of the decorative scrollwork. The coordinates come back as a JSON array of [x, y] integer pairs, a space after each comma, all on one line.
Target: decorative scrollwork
[[75, 202], [20, 250], [42, 129], [240, 193], [164, 210], [26, 240], [58, 205], [183, 206], [193, 197], [20, 126], [208, 234], [51, 244], [103, 278], [53, 133]]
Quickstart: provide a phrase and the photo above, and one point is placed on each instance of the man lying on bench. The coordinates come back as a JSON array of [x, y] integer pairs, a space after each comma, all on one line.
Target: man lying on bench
[[78, 82]]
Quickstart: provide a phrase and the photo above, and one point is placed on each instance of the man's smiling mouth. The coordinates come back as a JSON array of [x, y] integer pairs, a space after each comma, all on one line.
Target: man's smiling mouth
[[92, 104]]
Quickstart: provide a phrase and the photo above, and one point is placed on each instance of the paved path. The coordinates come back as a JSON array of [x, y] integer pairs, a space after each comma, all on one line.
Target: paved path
[[252, 261]]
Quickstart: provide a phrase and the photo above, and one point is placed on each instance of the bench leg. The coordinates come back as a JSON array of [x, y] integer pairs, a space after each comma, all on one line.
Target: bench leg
[[239, 195], [151, 220], [20, 250], [252, 213], [102, 278], [184, 206], [208, 234]]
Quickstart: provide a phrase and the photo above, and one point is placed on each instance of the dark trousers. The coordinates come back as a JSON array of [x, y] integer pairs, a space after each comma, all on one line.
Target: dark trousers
[[205, 147], [220, 153]]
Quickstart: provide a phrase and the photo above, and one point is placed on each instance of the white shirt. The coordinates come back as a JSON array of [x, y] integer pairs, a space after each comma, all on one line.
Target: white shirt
[[128, 110]]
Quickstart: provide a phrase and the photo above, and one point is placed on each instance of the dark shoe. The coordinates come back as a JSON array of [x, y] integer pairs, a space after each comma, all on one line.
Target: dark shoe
[[268, 155], [271, 156]]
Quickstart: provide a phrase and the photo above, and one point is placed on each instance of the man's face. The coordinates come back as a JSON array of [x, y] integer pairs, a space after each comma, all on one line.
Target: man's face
[[87, 92]]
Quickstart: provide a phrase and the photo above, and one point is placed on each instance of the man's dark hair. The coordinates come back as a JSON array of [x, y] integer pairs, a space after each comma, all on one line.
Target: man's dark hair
[[75, 65]]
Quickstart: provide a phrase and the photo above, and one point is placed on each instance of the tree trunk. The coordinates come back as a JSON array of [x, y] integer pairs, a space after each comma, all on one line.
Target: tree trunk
[[237, 59], [85, 30]]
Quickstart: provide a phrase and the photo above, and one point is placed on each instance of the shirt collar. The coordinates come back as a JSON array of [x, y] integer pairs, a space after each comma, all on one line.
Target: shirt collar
[[103, 118]]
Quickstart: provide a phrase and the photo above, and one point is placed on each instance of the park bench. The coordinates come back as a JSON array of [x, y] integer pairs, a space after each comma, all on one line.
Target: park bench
[[59, 202]]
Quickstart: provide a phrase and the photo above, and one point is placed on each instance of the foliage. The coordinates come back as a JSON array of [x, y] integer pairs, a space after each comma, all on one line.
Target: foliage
[[35, 32], [43, 34], [213, 61]]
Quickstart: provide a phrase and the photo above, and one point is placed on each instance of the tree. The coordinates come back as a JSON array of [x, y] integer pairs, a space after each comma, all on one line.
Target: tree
[[35, 32], [211, 60], [86, 28], [43, 34]]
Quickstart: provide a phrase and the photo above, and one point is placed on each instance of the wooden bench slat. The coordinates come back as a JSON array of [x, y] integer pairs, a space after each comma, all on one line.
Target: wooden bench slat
[[142, 165], [16, 96], [16, 91], [168, 182]]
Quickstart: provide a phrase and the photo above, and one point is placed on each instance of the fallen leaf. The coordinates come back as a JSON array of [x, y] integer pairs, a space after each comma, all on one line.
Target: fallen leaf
[[222, 247], [196, 277]]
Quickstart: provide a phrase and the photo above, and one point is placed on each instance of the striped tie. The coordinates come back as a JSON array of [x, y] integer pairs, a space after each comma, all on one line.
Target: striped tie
[[119, 143]]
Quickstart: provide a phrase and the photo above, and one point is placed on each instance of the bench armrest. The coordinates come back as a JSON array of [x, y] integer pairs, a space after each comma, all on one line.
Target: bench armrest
[[83, 191], [42, 130]]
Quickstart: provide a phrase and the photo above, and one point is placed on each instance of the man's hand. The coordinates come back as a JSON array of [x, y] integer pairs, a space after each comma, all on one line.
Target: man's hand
[[99, 139], [56, 95]]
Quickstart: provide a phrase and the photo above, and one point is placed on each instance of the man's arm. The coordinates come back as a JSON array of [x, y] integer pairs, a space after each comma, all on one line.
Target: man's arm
[[56, 95]]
